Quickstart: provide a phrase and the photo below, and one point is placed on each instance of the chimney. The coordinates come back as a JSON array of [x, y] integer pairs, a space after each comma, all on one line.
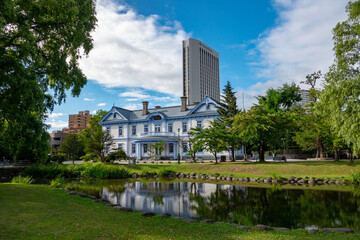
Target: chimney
[[157, 107], [145, 108], [183, 104]]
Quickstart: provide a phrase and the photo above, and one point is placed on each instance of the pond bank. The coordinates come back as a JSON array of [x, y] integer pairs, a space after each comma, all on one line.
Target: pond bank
[[83, 218]]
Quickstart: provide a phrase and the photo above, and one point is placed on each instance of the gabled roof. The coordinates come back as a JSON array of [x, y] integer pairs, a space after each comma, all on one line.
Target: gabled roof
[[166, 112]]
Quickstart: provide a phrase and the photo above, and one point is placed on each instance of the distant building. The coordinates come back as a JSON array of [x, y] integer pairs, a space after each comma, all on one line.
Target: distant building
[[78, 122], [136, 131], [201, 76], [305, 97], [56, 138]]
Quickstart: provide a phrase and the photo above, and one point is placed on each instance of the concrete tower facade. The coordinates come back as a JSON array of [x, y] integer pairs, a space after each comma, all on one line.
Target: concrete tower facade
[[201, 75]]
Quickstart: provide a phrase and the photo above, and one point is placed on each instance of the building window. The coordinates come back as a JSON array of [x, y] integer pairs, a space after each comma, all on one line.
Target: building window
[[108, 130], [146, 128], [145, 148], [120, 131], [199, 124], [207, 106], [157, 128], [170, 127], [133, 148], [171, 147], [184, 127], [185, 147], [120, 146], [133, 130]]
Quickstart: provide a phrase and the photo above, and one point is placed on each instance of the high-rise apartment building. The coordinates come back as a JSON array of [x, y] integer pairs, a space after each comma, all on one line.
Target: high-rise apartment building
[[201, 76], [78, 122]]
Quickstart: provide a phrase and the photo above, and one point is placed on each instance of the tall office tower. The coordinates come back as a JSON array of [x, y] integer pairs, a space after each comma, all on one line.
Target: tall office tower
[[201, 75], [78, 122]]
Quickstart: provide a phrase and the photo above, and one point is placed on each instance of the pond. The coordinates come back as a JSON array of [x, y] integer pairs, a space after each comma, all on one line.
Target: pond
[[246, 205]]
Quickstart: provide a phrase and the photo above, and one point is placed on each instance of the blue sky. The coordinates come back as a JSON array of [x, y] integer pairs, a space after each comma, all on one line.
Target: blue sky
[[262, 44]]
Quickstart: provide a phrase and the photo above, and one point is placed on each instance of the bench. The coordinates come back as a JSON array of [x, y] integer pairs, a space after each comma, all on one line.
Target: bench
[[22, 163], [279, 158]]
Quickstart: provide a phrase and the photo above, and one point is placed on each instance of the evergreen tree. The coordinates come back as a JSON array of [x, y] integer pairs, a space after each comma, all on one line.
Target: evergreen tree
[[227, 110]]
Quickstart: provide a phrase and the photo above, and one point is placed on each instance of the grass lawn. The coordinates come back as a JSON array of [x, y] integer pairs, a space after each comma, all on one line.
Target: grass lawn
[[42, 212], [240, 169]]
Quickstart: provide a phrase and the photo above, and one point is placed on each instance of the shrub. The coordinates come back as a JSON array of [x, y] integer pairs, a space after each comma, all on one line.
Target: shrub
[[58, 181], [276, 176], [88, 157], [23, 180], [166, 172], [58, 158], [355, 177], [98, 170], [118, 155]]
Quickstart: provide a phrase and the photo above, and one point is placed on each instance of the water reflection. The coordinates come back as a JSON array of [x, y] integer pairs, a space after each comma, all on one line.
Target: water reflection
[[290, 208]]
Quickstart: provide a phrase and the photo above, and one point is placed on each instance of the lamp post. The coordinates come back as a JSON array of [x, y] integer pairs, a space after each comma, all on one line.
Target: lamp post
[[178, 157], [283, 139]]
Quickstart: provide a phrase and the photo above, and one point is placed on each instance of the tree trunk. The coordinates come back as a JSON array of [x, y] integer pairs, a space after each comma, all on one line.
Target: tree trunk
[[261, 152], [351, 157], [321, 147], [336, 154], [233, 154], [216, 161]]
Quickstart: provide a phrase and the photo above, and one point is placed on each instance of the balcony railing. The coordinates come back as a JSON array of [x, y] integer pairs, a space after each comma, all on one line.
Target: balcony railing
[[151, 134]]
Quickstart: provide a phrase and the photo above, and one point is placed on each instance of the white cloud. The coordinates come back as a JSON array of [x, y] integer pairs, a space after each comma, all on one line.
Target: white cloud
[[89, 99], [57, 124], [101, 104], [133, 95], [133, 106], [299, 44], [131, 50], [55, 115]]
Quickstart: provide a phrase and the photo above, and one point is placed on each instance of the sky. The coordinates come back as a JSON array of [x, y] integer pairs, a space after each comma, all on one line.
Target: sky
[[138, 45]]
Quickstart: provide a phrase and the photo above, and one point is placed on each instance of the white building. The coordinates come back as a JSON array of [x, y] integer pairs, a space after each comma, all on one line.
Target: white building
[[201, 76], [136, 131]]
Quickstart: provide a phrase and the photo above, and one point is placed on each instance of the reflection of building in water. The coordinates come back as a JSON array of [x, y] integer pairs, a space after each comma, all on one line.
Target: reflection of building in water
[[173, 198]]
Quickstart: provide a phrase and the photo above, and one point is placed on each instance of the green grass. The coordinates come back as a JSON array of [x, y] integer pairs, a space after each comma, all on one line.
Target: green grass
[[42, 212], [240, 169]]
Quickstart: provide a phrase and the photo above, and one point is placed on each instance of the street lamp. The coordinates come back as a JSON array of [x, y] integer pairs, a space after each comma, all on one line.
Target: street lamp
[[283, 139], [178, 157]]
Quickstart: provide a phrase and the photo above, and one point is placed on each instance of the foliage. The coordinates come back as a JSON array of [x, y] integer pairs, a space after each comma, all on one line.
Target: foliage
[[95, 139], [23, 180], [340, 97], [166, 172], [89, 170], [282, 99], [270, 121], [98, 170], [58, 181], [120, 154], [210, 138], [58, 158], [227, 110], [355, 177], [157, 148], [276, 176], [72, 146], [40, 44], [88, 157]]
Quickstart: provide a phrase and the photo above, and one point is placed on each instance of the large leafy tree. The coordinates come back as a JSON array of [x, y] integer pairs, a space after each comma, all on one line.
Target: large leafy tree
[[341, 94], [41, 42], [95, 139], [270, 121], [227, 110]]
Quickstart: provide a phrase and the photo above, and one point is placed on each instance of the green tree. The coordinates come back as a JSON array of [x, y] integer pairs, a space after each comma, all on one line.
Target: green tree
[[40, 43], [227, 110], [269, 121], [209, 139], [341, 94], [72, 147], [157, 148], [96, 140]]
